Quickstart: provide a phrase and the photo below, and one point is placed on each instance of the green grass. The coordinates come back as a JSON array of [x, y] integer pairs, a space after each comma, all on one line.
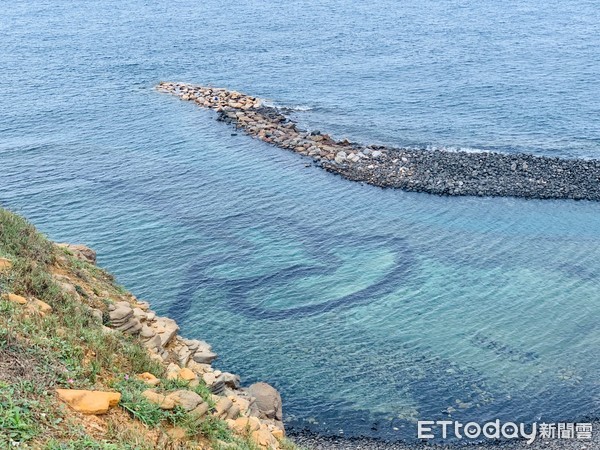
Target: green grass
[[153, 416], [86, 443], [210, 427], [19, 238], [17, 423], [69, 348], [203, 391], [133, 402]]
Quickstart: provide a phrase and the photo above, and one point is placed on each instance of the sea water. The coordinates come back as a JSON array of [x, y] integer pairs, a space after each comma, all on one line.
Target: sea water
[[367, 308]]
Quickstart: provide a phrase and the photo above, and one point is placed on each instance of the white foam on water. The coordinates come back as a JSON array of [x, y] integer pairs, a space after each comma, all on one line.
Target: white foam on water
[[456, 149], [298, 108]]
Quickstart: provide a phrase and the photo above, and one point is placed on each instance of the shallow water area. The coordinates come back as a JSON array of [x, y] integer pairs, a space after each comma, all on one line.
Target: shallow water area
[[367, 308]]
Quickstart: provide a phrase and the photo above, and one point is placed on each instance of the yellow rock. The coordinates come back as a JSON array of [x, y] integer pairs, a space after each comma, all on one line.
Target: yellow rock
[[187, 374], [16, 299], [41, 306], [89, 402], [222, 406], [173, 371], [5, 264], [242, 403], [148, 378], [245, 424], [264, 439], [162, 401], [177, 433], [278, 434]]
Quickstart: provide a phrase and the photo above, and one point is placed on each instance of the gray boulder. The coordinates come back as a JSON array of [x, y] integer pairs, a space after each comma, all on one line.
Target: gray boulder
[[268, 400]]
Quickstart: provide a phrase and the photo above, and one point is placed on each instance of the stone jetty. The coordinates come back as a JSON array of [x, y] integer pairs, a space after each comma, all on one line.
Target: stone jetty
[[418, 170]]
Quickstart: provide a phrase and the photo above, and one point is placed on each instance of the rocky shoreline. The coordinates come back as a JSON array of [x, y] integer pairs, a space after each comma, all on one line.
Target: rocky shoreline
[[256, 409], [418, 170]]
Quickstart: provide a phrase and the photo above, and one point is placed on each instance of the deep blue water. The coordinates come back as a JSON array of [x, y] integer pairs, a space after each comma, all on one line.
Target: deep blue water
[[367, 308]]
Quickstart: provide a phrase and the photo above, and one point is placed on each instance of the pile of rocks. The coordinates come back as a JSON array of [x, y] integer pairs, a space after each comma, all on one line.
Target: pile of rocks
[[479, 174], [420, 170], [256, 410], [159, 335], [267, 123], [190, 360], [80, 251], [33, 306]]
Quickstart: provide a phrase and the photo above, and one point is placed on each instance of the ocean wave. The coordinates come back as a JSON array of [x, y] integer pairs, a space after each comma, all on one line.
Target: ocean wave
[[288, 108], [459, 149]]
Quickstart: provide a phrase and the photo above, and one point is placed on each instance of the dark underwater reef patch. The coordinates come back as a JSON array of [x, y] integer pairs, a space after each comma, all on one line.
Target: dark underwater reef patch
[[237, 291]]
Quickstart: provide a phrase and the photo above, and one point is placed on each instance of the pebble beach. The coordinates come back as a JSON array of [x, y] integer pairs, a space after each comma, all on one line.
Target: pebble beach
[[316, 442]]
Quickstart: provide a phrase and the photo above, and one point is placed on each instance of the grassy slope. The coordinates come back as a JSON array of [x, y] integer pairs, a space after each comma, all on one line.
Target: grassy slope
[[70, 348]]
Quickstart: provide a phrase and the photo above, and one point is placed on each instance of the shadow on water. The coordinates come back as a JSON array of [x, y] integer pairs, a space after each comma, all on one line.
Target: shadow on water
[[312, 241], [237, 289]]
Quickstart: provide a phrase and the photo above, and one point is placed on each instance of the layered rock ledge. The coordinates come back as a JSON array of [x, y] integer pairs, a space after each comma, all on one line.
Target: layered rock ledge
[[255, 410], [418, 170]]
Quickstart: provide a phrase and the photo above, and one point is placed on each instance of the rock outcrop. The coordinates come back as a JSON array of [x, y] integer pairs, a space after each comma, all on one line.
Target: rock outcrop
[[32, 305], [268, 401], [81, 252], [190, 360], [89, 402], [5, 264]]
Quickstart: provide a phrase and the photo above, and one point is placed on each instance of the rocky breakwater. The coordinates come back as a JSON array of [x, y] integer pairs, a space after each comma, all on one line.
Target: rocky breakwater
[[255, 410], [419, 170]]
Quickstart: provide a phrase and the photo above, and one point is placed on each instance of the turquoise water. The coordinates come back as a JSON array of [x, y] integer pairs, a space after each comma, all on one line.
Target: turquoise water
[[367, 308]]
